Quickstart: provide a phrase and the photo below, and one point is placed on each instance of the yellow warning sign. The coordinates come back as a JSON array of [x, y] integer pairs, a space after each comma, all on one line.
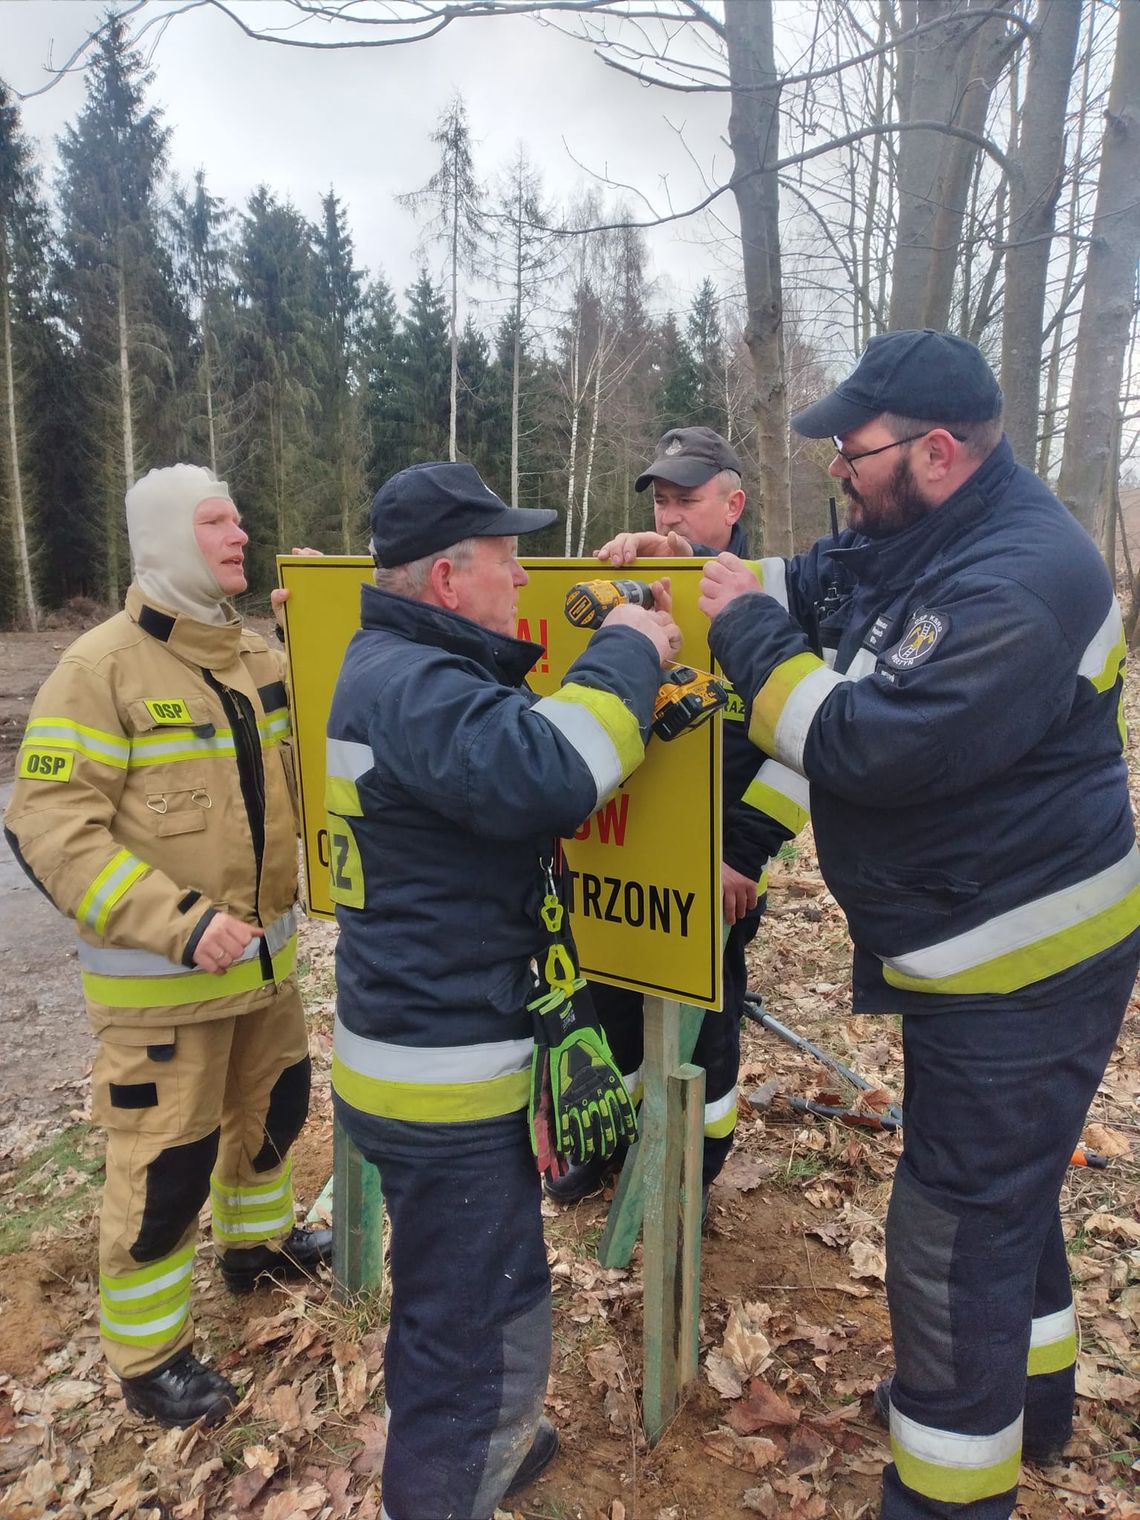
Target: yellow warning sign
[[643, 872]]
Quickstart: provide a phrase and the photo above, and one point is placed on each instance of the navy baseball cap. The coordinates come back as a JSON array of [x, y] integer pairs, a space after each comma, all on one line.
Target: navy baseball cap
[[689, 457], [931, 375], [429, 507]]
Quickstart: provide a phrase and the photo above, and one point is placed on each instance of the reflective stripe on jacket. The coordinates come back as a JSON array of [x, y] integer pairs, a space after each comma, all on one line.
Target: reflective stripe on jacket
[[154, 784], [446, 782], [968, 786]]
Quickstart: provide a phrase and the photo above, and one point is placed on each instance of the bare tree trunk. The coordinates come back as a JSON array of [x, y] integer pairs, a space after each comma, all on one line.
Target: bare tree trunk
[[1038, 172], [575, 411], [454, 326], [516, 360], [990, 53], [19, 523], [588, 474], [213, 442], [754, 133], [1110, 291]]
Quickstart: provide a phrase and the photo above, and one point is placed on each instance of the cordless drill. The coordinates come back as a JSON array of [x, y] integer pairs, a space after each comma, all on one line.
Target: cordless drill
[[686, 697]]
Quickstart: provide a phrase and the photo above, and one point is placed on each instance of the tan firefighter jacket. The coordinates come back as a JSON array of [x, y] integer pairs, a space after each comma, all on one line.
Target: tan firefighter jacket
[[155, 784]]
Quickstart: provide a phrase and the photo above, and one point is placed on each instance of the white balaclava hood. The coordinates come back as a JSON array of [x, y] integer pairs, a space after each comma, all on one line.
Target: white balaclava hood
[[169, 566]]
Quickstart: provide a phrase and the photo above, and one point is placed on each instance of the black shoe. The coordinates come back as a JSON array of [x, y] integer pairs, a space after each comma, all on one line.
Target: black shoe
[[543, 1450], [299, 1255], [581, 1181], [180, 1392], [882, 1401], [1045, 1453]]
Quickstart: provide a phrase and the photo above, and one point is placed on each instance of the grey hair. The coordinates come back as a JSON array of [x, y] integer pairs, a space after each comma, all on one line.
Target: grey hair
[[409, 580], [730, 480], [980, 438]]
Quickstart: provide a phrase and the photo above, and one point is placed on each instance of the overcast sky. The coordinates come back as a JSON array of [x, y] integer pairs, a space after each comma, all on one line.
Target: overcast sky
[[299, 121]]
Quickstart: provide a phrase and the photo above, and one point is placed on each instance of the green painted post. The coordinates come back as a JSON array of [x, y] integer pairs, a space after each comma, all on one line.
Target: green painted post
[[687, 1103], [358, 1219], [659, 1271], [623, 1225]]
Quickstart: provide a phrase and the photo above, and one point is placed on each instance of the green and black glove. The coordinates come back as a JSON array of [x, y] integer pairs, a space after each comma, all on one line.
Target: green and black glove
[[589, 1109]]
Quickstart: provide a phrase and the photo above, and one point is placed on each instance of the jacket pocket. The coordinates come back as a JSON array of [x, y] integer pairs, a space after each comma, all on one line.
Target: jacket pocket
[[135, 1081], [915, 888]]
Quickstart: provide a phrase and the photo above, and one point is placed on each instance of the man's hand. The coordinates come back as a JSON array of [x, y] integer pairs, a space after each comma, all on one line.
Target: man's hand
[[223, 940], [281, 594], [657, 626], [627, 547], [722, 580], [740, 894]]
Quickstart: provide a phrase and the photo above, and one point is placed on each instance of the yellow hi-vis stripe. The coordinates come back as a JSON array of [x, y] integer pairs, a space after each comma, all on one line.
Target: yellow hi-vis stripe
[[431, 1102], [116, 878], [148, 1307], [192, 987], [91, 743], [720, 1116], [955, 1468], [248, 1215], [1053, 1342], [776, 693], [778, 805]]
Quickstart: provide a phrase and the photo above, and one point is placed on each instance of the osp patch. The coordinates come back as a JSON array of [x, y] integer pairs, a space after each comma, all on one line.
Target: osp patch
[[919, 641]]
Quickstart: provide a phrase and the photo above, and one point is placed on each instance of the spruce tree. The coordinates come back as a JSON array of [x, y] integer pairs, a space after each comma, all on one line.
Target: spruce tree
[[116, 287], [341, 438], [421, 405]]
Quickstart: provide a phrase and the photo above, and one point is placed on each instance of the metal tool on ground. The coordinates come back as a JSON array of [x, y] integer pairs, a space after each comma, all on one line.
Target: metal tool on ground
[[890, 1119], [686, 697]]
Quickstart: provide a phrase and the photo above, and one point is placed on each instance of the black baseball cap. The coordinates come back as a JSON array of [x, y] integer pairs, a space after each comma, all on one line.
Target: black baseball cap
[[429, 507], [689, 457], [931, 375]]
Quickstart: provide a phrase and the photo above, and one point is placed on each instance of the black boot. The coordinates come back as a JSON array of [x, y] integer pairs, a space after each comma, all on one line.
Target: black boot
[[180, 1392], [543, 1450], [581, 1181], [299, 1255]]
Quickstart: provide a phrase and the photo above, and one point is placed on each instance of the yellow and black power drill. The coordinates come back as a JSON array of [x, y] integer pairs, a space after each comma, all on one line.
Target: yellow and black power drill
[[686, 697]]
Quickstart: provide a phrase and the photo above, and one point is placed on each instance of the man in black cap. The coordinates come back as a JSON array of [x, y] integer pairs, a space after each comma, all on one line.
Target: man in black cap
[[970, 804], [697, 502], [458, 1002]]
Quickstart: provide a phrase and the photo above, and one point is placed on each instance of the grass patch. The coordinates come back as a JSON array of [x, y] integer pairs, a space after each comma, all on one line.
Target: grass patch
[[803, 1168], [56, 1185], [788, 850]]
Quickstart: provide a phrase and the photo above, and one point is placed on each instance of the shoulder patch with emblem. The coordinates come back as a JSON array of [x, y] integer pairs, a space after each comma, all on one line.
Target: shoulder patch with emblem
[[919, 641], [167, 710], [45, 764]]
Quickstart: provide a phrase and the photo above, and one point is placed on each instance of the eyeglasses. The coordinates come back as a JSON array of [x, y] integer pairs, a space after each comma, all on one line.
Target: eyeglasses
[[849, 459]]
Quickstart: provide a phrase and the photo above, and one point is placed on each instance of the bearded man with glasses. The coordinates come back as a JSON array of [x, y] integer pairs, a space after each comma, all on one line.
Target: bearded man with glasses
[[948, 676]]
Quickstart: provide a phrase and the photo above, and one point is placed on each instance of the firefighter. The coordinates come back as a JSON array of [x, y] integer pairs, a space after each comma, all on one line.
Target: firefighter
[[970, 804], [447, 782], [154, 805], [697, 504]]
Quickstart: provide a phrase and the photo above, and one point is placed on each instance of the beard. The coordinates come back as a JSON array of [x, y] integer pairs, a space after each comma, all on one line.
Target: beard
[[896, 505]]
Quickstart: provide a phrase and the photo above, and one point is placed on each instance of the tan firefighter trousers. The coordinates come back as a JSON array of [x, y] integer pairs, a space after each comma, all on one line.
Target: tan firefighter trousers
[[191, 1111]]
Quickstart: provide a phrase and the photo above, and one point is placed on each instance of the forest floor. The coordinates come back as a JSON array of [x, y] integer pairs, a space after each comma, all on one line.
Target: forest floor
[[794, 1325]]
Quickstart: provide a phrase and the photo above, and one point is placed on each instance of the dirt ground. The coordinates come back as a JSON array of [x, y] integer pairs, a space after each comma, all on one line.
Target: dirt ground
[[794, 1326]]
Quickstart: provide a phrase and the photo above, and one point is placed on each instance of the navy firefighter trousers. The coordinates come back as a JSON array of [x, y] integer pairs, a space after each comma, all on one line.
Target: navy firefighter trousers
[[468, 1351], [978, 1284]]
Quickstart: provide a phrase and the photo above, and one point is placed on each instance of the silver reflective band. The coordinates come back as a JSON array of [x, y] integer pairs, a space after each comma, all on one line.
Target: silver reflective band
[[148, 1289], [430, 1065], [134, 1331], [948, 1448], [1051, 1328], [803, 702], [862, 664], [774, 579], [1032, 922], [789, 783], [581, 729], [347, 758], [719, 1107], [147, 963], [1104, 641]]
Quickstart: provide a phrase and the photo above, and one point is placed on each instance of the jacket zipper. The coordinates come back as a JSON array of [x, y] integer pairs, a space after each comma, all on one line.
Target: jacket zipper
[[251, 773]]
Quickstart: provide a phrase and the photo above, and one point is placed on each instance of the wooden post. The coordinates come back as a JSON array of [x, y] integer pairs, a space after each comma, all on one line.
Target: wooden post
[[358, 1219], [671, 1113], [623, 1226]]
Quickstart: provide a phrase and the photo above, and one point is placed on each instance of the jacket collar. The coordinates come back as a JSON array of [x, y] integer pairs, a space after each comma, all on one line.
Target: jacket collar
[[210, 645], [904, 555], [507, 659]]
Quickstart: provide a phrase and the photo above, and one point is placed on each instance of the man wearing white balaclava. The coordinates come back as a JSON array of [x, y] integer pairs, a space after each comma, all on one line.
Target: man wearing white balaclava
[[154, 805], [169, 565]]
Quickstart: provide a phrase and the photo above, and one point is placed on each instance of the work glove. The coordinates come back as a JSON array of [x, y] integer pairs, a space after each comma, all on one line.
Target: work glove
[[579, 1108]]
